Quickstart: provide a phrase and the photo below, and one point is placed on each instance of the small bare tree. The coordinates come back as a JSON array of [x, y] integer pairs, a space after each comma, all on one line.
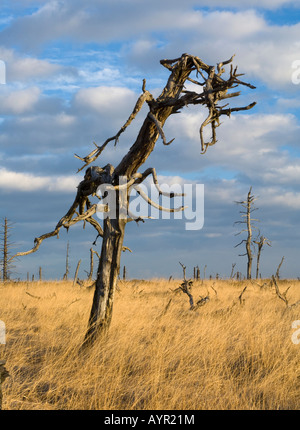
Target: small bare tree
[[214, 87], [92, 252], [65, 277], [283, 296], [278, 268], [5, 249], [260, 242], [246, 215], [186, 287]]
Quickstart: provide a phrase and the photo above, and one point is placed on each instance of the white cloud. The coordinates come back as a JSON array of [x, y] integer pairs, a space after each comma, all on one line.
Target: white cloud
[[19, 102], [263, 50], [16, 181], [25, 68], [287, 174], [52, 125], [278, 197], [251, 141], [105, 100], [268, 4]]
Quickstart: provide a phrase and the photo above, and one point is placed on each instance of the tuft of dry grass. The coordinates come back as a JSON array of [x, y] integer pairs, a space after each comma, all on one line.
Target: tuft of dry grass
[[226, 355]]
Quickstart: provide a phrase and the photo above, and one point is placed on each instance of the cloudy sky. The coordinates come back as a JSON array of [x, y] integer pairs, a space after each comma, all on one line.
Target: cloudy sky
[[73, 70]]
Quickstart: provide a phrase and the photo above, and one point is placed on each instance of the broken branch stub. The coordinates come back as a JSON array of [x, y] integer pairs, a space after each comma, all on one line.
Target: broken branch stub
[[283, 296]]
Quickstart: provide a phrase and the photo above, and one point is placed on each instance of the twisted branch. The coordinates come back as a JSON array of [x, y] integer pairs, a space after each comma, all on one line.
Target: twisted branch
[[90, 158], [157, 206]]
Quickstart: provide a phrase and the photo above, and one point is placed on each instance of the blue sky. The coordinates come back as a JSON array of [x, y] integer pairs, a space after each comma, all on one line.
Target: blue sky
[[74, 70]]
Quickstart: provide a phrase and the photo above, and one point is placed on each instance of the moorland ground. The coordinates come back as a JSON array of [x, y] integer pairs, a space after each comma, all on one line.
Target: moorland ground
[[228, 354]]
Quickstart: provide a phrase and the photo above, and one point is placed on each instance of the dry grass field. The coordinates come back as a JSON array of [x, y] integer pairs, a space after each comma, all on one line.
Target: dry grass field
[[157, 356]]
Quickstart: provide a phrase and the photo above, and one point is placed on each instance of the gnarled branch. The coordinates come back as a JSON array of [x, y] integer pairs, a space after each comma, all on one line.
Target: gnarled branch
[[157, 206]]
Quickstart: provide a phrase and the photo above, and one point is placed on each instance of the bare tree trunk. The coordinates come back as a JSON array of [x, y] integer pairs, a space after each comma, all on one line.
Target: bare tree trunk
[[6, 245], [107, 277], [232, 270], [92, 252], [249, 237], [76, 273], [65, 277], [5, 251], [248, 205], [278, 268]]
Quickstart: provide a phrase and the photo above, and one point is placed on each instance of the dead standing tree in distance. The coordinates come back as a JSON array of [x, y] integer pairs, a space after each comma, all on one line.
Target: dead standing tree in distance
[[186, 287], [214, 88], [5, 249], [92, 252], [65, 277], [246, 215], [260, 241]]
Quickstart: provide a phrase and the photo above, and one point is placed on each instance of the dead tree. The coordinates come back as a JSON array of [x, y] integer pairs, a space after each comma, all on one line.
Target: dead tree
[[261, 240], [232, 270], [228, 310], [65, 277], [246, 215], [92, 252], [5, 249], [186, 287], [278, 268], [76, 273], [282, 296], [196, 273], [210, 87]]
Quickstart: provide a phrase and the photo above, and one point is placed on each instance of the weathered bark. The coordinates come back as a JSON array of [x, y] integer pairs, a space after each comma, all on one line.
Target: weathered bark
[[107, 277]]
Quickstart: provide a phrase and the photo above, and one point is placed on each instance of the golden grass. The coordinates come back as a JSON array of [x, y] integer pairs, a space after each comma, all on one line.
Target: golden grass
[[155, 357]]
